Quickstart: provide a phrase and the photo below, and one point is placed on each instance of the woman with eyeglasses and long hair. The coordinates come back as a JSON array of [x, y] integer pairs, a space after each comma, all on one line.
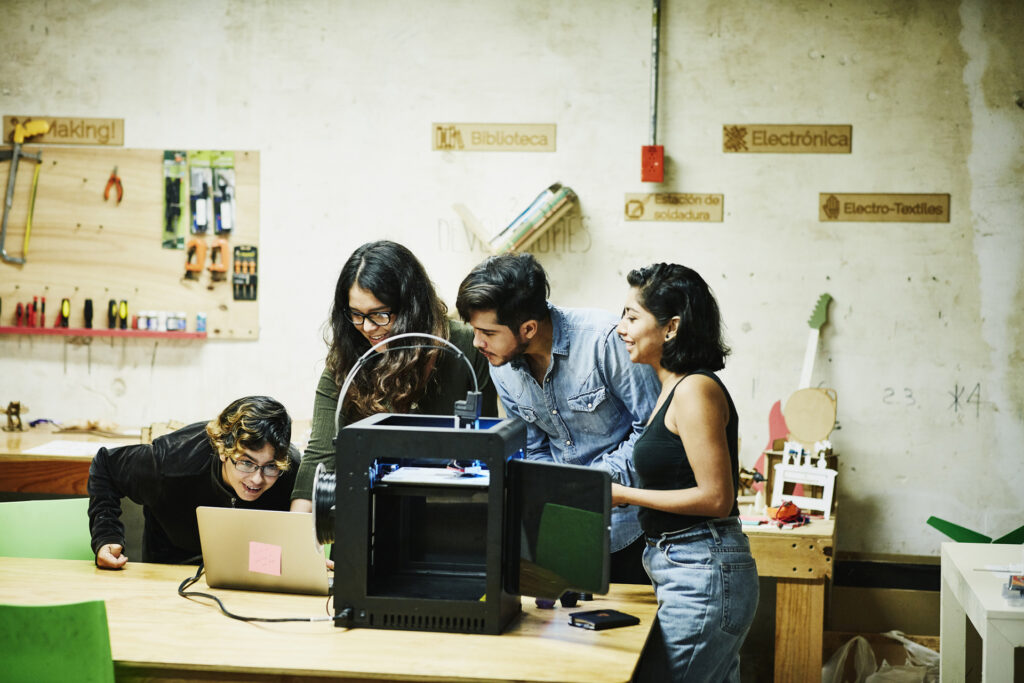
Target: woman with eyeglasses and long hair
[[243, 458], [384, 291]]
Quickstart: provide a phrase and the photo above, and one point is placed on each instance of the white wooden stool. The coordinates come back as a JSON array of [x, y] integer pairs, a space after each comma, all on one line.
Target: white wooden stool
[[808, 476]]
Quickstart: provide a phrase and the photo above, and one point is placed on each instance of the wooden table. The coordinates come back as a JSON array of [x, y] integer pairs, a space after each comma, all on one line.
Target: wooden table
[[800, 560], [59, 473], [157, 635], [971, 589], [52, 472]]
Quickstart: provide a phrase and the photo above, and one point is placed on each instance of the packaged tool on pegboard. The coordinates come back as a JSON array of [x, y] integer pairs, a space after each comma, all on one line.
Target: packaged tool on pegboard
[[175, 189], [200, 191], [223, 191], [244, 279]]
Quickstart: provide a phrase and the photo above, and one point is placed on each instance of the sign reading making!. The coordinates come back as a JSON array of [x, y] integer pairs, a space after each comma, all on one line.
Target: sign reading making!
[[494, 137], [71, 130], [674, 206], [767, 138], [879, 208]]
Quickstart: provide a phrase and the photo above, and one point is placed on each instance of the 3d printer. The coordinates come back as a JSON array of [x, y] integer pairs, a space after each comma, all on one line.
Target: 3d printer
[[423, 545], [439, 524]]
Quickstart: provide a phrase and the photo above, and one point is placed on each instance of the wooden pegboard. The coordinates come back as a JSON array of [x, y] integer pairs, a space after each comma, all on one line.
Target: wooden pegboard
[[83, 247]]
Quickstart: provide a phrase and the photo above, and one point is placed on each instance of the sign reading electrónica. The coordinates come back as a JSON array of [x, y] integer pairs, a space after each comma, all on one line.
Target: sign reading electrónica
[[767, 138], [675, 206], [877, 208], [494, 137]]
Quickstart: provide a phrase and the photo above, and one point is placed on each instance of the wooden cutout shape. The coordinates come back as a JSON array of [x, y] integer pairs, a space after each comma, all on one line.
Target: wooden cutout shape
[[811, 415]]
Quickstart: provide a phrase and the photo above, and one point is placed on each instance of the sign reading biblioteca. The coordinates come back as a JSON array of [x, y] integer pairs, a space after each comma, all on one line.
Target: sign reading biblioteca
[[494, 137], [768, 138], [675, 206], [883, 208], [71, 130]]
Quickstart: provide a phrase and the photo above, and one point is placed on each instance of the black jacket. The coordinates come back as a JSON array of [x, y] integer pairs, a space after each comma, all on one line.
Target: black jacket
[[170, 478]]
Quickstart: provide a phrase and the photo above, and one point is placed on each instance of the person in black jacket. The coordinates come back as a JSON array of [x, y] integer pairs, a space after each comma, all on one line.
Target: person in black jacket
[[243, 458]]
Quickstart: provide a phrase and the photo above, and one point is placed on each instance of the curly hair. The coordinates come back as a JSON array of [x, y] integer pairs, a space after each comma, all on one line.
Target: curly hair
[[251, 423], [392, 381], [667, 290], [512, 285]]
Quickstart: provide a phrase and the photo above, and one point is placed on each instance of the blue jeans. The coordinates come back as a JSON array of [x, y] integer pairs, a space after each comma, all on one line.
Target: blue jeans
[[705, 580]]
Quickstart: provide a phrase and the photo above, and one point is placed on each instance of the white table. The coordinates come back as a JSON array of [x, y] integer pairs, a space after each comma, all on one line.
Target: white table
[[970, 590]]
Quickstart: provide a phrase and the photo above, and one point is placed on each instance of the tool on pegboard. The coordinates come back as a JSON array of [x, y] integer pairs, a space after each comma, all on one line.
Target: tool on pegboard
[[195, 257], [175, 169], [218, 260], [114, 183], [223, 164], [22, 131], [244, 278], [63, 314], [200, 191]]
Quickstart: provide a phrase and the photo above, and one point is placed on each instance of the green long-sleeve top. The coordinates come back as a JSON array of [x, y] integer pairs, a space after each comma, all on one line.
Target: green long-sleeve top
[[449, 383]]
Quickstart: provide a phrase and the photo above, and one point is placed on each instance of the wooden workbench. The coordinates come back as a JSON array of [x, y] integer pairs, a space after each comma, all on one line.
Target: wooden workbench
[[156, 635], [800, 560], [50, 472]]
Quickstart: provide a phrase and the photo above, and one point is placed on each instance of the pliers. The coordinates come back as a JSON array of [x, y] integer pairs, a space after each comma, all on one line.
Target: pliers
[[115, 182]]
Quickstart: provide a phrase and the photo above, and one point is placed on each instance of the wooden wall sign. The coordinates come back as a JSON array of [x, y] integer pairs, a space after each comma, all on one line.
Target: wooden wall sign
[[72, 130], [765, 138], [675, 206], [493, 137], [883, 208]]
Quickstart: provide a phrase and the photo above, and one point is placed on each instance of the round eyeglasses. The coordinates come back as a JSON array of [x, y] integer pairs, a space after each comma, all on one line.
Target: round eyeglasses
[[378, 318], [270, 470]]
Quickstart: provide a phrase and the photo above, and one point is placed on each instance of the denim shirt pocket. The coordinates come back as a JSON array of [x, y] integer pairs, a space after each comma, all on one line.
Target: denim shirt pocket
[[527, 413], [593, 411]]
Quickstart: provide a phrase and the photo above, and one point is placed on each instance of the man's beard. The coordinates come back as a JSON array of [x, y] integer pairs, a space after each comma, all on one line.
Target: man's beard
[[516, 352]]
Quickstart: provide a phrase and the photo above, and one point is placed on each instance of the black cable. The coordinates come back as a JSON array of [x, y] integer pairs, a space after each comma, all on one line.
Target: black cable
[[194, 594]]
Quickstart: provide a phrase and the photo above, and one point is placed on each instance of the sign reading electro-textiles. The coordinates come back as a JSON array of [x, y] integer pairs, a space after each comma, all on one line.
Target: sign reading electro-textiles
[[876, 208]]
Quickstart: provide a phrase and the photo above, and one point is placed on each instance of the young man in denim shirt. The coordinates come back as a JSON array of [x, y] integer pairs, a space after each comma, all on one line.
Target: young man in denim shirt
[[566, 373]]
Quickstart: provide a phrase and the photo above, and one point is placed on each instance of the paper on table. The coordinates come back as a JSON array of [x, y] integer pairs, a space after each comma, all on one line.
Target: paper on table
[[66, 447]]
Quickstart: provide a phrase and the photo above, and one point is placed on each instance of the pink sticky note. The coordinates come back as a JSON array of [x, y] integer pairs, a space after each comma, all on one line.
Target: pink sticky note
[[264, 558]]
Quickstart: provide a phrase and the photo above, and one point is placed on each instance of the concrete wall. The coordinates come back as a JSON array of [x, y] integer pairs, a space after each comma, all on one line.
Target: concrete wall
[[923, 342]]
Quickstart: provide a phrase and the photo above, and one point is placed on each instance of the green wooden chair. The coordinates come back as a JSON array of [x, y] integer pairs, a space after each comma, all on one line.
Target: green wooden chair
[[49, 529], [58, 643]]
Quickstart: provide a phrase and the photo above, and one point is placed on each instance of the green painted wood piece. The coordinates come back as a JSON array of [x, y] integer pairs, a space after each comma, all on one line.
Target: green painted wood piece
[[964, 535], [47, 529], [58, 643]]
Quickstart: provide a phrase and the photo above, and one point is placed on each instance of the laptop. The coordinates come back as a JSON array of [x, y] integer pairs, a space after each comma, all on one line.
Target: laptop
[[262, 550]]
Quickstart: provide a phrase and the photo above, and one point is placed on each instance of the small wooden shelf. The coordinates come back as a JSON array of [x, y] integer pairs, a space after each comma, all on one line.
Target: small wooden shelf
[[99, 332]]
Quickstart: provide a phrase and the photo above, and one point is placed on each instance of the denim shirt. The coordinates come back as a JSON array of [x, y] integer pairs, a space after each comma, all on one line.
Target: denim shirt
[[592, 406]]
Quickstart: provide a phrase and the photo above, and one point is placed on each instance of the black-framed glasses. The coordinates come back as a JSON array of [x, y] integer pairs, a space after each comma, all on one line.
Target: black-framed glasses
[[378, 318], [270, 470]]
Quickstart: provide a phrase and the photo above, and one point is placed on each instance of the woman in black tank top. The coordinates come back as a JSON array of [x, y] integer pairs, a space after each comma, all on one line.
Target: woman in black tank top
[[687, 470]]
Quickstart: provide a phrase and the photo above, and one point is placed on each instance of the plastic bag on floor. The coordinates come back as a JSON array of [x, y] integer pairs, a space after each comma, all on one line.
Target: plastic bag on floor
[[863, 662], [922, 665], [918, 657], [904, 673]]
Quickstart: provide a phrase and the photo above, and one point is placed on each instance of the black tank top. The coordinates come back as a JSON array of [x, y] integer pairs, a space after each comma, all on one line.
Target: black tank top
[[661, 463]]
